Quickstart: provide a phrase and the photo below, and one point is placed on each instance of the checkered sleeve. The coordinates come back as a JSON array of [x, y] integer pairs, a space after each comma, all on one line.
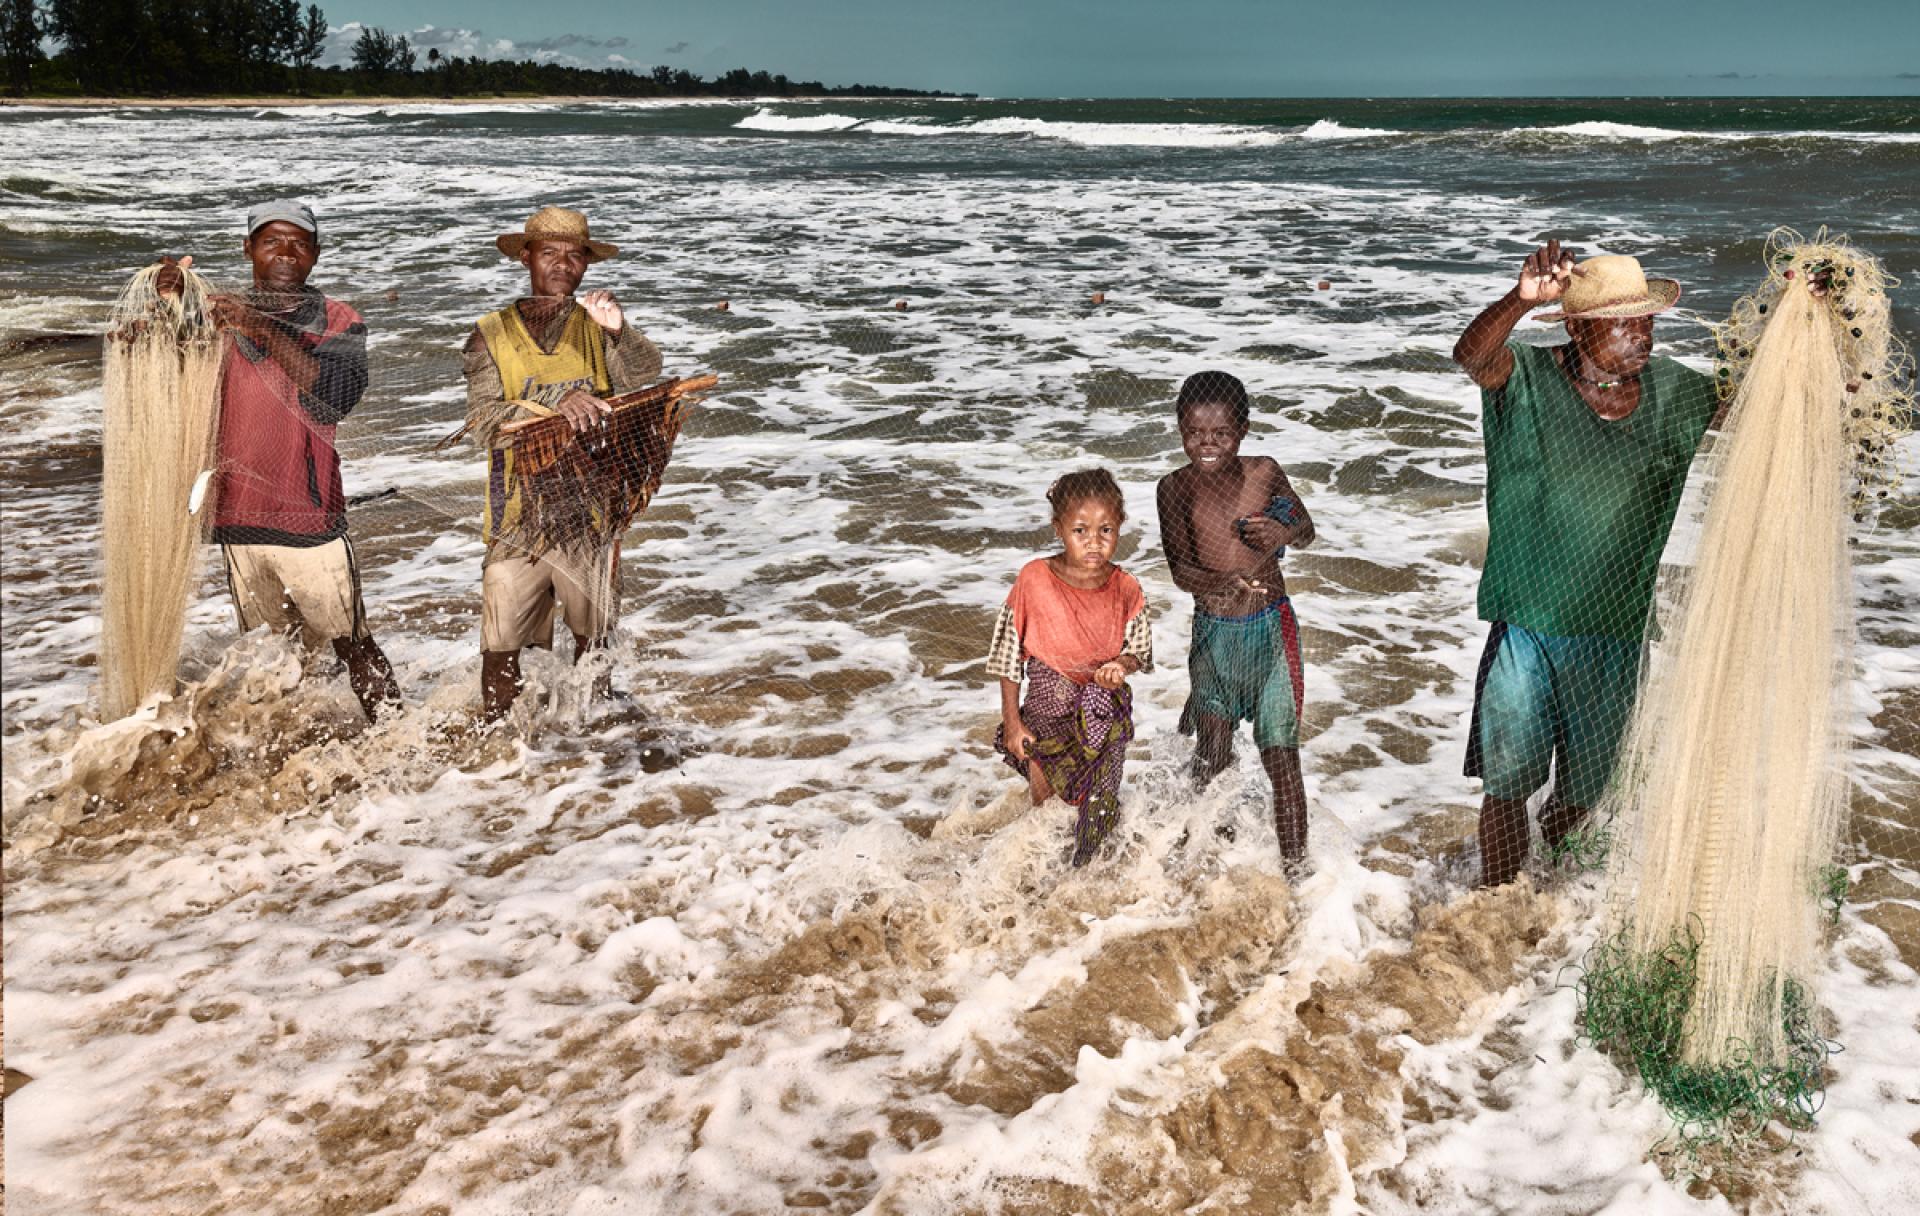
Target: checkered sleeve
[[1003, 654], [1139, 638]]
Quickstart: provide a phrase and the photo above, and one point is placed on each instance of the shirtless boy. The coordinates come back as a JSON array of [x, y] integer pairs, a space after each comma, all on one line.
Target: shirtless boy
[[1224, 521]]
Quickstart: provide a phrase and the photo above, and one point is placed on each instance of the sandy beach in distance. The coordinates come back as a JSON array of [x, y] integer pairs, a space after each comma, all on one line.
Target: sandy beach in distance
[[185, 103]]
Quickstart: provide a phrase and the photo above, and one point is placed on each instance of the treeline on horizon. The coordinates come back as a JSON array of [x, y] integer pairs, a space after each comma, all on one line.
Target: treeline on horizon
[[202, 48]]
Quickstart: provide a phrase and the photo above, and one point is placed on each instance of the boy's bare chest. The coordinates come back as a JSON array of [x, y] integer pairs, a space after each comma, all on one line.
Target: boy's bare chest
[[1219, 501]]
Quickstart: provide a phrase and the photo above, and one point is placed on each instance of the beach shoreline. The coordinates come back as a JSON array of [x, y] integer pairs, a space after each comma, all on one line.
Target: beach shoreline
[[201, 103]]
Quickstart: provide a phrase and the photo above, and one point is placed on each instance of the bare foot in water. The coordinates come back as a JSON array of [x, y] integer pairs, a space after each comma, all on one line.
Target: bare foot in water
[[1038, 788]]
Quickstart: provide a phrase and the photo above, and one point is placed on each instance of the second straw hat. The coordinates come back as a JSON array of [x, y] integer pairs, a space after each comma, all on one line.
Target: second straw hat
[[555, 224]]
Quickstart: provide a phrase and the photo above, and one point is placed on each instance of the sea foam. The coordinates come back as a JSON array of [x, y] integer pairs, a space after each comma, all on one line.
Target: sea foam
[[833, 954]]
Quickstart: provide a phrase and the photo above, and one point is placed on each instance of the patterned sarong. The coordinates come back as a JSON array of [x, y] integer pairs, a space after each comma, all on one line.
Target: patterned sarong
[[1081, 732]]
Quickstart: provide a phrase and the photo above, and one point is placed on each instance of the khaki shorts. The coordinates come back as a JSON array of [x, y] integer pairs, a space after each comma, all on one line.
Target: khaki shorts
[[313, 590], [518, 596]]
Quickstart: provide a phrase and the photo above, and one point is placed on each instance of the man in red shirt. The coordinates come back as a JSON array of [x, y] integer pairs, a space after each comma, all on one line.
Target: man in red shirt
[[295, 365]]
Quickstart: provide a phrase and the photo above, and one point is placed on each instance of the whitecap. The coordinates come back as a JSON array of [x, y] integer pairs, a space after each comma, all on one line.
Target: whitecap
[[1133, 134], [1327, 128], [768, 120], [1626, 131]]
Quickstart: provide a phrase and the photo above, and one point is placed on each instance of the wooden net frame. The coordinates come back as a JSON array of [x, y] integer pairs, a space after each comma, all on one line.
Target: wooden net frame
[[580, 489]]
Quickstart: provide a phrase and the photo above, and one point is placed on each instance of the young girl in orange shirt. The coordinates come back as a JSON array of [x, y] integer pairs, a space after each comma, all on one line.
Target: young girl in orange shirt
[[1076, 626]]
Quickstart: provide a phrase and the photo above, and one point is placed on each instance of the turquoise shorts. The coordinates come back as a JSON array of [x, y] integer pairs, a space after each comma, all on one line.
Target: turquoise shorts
[[1549, 705], [1247, 669]]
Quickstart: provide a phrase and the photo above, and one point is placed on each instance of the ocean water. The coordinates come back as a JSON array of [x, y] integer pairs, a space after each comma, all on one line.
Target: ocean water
[[260, 959]]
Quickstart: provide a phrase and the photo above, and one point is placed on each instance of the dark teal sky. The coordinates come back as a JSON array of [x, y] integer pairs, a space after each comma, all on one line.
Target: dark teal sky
[[1210, 48]]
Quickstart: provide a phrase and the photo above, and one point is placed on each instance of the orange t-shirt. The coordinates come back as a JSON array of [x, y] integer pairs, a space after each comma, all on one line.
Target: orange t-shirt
[[1070, 629]]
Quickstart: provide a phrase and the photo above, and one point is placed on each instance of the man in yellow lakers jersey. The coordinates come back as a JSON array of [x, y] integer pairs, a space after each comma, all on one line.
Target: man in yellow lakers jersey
[[546, 354]]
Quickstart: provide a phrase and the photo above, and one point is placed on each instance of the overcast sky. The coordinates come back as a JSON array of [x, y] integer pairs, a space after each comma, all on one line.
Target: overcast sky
[[1206, 48]]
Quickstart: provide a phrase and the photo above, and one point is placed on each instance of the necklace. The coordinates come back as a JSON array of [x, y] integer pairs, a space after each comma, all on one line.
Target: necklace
[[1572, 369]]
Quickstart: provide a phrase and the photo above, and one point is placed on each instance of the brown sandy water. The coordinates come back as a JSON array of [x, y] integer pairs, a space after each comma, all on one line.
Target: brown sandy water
[[1885, 833], [1288, 1089]]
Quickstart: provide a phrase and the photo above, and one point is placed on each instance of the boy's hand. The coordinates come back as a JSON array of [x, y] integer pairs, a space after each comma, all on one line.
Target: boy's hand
[[1019, 738], [1265, 533], [1111, 675], [584, 410], [1238, 598], [1546, 272], [170, 281], [605, 311]]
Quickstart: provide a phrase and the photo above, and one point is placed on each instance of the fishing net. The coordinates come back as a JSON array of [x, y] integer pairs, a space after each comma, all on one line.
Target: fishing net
[[162, 374], [582, 489], [1732, 788], [814, 551]]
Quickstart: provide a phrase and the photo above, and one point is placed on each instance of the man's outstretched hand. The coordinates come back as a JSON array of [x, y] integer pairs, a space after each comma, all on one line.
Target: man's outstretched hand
[[1482, 350], [605, 311], [1546, 272], [170, 281]]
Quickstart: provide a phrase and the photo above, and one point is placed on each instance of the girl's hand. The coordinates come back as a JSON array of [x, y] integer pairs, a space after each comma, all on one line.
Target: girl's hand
[[1112, 674], [1019, 738]]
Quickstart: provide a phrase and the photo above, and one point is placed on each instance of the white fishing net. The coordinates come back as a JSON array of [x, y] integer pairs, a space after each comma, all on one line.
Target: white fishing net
[[162, 413]]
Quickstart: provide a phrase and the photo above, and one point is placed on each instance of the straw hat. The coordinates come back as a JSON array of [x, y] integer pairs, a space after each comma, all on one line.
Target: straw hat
[[555, 224], [1613, 285]]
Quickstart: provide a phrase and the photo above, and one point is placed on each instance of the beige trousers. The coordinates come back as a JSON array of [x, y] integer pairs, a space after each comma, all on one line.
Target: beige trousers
[[519, 595], [315, 590]]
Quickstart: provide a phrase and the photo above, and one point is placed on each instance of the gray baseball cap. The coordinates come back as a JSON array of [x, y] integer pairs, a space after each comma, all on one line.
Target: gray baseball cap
[[290, 210]]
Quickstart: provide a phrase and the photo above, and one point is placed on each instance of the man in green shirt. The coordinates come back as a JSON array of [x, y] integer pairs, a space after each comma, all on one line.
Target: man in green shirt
[[1588, 446]]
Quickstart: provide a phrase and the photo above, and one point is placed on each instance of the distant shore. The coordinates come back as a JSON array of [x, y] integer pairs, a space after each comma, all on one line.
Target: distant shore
[[182, 103]]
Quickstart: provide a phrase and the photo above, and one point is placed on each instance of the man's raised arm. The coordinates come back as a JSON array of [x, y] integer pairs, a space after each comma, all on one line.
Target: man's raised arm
[[1482, 350]]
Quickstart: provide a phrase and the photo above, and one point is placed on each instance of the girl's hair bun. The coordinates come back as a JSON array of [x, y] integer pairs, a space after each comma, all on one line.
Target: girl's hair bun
[[1083, 484]]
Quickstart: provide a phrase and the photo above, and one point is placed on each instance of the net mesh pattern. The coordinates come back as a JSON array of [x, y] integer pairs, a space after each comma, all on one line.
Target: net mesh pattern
[[1622, 609]]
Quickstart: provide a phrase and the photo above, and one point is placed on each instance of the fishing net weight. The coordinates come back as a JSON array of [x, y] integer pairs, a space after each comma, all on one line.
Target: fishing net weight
[[162, 355]]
